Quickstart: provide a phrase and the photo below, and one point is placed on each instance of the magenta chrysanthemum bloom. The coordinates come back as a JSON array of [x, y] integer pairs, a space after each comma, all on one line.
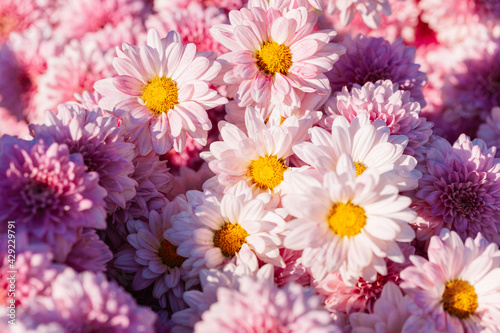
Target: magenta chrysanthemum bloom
[[293, 271], [456, 289], [89, 253], [275, 56], [192, 23], [75, 70], [455, 21], [262, 307], [98, 139], [470, 92], [84, 302], [49, 193], [162, 92], [77, 18], [369, 59], [459, 190], [153, 258], [383, 100], [489, 131]]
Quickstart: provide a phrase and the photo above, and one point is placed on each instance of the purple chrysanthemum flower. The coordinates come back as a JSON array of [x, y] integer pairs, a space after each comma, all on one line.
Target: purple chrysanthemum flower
[[489, 131], [84, 302], [459, 190], [89, 253], [97, 138], [49, 193], [383, 100], [262, 307], [369, 59], [470, 93]]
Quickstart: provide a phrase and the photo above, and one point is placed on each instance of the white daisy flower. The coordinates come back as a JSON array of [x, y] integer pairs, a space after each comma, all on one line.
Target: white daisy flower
[[347, 222], [370, 146], [232, 229]]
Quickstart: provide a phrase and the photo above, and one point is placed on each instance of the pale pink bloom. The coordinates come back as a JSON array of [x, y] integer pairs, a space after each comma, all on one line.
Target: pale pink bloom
[[188, 179], [129, 30], [347, 222], [458, 20], [10, 125], [18, 15], [151, 257], [275, 56], [261, 307], [389, 314], [286, 5], [369, 145], [172, 5], [77, 18], [233, 229], [162, 92], [401, 24], [192, 23], [456, 289], [75, 70], [369, 10], [489, 131], [383, 100]]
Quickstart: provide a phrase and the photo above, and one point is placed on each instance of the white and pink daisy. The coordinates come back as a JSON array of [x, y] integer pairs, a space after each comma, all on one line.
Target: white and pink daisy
[[162, 92], [456, 288], [370, 146], [347, 222], [232, 229], [97, 138], [151, 257], [383, 100], [260, 158], [275, 56]]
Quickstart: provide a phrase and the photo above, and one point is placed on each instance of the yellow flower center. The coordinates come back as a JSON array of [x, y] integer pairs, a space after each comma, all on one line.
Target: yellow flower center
[[274, 58], [267, 172], [282, 119], [360, 168], [459, 299], [346, 219], [160, 94], [229, 238], [168, 254]]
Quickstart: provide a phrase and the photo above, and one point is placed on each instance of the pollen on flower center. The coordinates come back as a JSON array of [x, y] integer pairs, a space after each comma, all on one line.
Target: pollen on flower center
[[274, 58], [267, 172], [160, 94], [168, 254], [459, 299], [360, 168], [346, 219], [229, 238]]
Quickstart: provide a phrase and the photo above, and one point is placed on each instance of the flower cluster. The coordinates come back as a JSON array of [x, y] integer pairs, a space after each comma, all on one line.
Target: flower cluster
[[250, 165]]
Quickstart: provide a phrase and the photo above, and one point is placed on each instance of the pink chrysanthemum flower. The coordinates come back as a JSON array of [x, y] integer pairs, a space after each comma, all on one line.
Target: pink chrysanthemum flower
[[470, 91], [489, 132], [353, 223], [23, 59], [275, 56], [458, 190], [154, 183], [18, 15], [151, 257], [260, 158], [49, 193], [192, 24], [75, 70], [369, 59], [77, 18], [89, 253], [389, 314], [98, 139], [383, 100], [261, 307], [188, 179], [102, 306], [129, 30], [162, 95], [293, 271], [226, 5], [232, 229], [369, 10], [369, 145], [461, 19], [456, 289]]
